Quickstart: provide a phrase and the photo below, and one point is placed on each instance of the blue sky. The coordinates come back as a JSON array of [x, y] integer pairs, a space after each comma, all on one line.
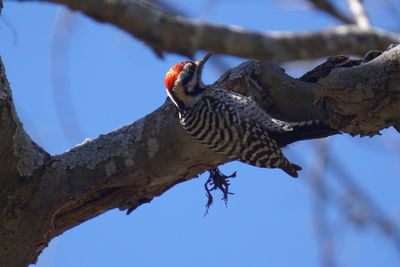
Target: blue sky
[[112, 79]]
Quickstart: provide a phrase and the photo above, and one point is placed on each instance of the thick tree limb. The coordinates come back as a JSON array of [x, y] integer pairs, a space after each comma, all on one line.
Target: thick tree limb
[[19, 155], [165, 32], [47, 195], [364, 99], [41, 196], [21, 166]]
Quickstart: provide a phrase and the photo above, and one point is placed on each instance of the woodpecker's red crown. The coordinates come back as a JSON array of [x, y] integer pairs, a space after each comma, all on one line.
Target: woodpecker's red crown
[[172, 75], [192, 74]]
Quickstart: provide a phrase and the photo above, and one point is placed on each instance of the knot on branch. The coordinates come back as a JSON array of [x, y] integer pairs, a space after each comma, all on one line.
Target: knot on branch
[[362, 97]]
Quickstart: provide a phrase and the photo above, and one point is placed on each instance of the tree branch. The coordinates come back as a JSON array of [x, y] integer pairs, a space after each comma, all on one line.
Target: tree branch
[[41, 196], [359, 14], [47, 195], [21, 162], [365, 99], [19, 155], [165, 32], [330, 9]]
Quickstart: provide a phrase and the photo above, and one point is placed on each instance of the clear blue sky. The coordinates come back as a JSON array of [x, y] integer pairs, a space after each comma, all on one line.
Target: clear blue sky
[[113, 79]]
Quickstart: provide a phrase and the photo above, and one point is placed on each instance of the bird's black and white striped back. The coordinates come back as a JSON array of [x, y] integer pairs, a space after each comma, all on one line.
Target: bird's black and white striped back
[[222, 128]]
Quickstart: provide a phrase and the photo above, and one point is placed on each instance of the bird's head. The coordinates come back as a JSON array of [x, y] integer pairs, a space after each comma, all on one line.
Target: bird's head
[[183, 82]]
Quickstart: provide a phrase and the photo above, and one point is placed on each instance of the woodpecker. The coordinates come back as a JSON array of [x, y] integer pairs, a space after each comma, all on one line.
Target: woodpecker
[[228, 123]]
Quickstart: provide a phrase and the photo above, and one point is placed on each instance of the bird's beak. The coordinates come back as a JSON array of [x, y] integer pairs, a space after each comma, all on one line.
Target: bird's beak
[[203, 60]]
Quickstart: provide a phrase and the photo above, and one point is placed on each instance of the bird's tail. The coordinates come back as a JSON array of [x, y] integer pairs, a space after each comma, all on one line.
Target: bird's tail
[[301, 131], [291, 169]]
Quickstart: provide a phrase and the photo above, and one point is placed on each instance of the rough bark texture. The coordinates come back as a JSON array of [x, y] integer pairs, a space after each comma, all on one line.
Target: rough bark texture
[[22, 164], [364, 99], [165, 32], [41, 196]]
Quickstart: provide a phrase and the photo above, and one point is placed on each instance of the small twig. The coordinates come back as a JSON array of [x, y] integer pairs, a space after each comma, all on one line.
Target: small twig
[[372, 213], [359, 14], [323, 228], [10, 27], [358, 206], [66, 114], [220, 181], [327, 7]]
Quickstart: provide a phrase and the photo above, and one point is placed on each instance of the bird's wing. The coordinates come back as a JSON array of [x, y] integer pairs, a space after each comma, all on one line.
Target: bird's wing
[[259, 149]]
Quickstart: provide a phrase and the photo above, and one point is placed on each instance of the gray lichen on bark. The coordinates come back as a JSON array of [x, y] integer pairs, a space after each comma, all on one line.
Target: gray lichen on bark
[[30, 156], [115, 143], [132, 165]]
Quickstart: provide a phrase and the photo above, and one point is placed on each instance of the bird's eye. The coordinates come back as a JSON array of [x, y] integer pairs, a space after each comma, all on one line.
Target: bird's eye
[[192, 67], [187, 73]]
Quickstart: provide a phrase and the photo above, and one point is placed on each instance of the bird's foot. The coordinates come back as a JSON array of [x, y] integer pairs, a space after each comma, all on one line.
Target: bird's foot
[[217, 180]]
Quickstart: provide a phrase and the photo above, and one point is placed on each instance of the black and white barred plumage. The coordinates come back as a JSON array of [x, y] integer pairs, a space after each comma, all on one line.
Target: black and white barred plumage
[[226, 122]]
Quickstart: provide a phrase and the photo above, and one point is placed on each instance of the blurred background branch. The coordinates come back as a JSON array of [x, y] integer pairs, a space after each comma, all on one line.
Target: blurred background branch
[[352, 194], [164, 32], [66, 114], [327, 7]]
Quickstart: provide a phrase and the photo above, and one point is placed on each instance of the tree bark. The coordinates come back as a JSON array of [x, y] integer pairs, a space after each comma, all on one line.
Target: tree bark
[[165, 32], [365, 99], [43, 195]]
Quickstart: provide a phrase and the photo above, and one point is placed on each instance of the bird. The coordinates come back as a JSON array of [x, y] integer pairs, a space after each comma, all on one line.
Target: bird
[[229, 123]]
